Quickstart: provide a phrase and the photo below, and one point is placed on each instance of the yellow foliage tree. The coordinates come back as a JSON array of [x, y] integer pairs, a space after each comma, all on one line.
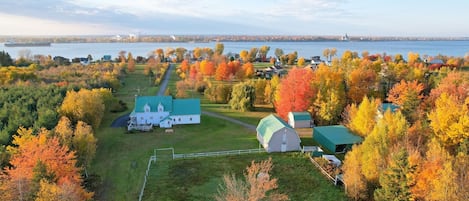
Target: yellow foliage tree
[[356, 186], [450, 120], [84, 105], [364, 120]]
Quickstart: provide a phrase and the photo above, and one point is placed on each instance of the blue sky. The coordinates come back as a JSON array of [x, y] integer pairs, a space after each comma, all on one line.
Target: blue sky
[[447, 18]]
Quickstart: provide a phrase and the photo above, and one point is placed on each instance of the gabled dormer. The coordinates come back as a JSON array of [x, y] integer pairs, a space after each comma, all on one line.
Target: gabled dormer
[[146, 108], [160, 107]]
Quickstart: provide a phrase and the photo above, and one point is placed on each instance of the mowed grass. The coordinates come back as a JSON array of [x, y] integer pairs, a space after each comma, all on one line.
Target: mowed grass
[[199, 179]]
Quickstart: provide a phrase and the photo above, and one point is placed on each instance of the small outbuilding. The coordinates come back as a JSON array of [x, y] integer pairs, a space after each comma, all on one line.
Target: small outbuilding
[[336, 139], [275, 135], [300, 120]]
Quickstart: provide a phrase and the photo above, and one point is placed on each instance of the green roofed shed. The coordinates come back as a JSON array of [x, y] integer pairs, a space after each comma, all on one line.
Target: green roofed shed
[[335, 138], [300, 119]]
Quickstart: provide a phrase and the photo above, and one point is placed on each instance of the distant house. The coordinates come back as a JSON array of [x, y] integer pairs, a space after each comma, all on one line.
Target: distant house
[[163, 111], [275, 135], [300, 120], [336, 139], [385, 107], [106, 58]]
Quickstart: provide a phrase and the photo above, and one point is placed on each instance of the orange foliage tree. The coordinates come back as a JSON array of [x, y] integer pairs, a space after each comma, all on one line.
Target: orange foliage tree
[[361, 82], [207, 67], [407, 95], [294, 94], [56, 163]]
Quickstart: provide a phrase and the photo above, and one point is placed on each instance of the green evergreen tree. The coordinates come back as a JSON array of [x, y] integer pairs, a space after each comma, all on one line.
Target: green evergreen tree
[[394, 180]]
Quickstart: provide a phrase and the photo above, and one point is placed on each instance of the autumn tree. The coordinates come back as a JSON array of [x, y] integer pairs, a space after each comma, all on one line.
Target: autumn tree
[[248, 70], [301, 62], [450, 120], [364, 119], [330, 99], [257, 185], [395, 179], [263, 52], [278, 52], [130, 62], [159, 53], [407, 95], [360, 82], [218, 93], [39, 155], [207, 67], [84, 105], [243, 96], [84, 145], [455, 84], [294, 94], [185, 66], [222, 72], [244, 55], [270, 89], [64, 131], [260, 86], [219, 47], [252, 55], [355, 182]]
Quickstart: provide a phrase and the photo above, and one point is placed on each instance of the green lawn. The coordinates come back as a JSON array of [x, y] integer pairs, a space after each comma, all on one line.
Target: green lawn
[[121, 158], [198, 179]]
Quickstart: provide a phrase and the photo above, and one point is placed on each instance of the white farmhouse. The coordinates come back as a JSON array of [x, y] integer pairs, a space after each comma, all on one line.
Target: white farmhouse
[[163, 111]]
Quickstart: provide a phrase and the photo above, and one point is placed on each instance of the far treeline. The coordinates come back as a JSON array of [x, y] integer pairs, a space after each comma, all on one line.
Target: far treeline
[[418, 152], [209, 38]]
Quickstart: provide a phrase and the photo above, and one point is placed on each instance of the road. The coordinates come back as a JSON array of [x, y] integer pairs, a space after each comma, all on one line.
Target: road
[[164, 82]]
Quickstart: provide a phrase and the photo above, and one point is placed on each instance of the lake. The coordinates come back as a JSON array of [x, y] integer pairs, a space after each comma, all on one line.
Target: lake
[[305, 49]]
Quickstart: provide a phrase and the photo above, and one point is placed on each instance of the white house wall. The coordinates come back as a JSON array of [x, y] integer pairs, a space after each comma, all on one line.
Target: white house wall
[[185, 119], [150, 117]]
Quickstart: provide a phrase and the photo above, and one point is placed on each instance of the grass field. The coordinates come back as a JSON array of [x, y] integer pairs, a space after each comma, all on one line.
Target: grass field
[[199, 179], [121, 158]]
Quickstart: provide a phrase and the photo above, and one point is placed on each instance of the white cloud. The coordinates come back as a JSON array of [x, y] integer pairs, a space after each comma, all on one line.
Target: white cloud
[[22, 25]]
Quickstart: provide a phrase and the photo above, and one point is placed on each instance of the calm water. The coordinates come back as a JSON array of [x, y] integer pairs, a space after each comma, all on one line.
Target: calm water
[[305, 49]]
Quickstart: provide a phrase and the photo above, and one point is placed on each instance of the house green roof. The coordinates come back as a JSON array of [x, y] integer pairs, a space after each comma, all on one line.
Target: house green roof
[[331, 136], [153, 101], [186, 106], [389, 106], [301, 116], [269, 125]]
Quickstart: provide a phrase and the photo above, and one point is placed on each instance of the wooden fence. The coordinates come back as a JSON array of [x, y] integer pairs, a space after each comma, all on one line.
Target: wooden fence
[[192, 155]]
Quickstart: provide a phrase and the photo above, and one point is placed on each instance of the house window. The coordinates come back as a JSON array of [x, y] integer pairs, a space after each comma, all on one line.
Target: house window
[[179, 119], [141, 118], [190, 119], [161, 117]]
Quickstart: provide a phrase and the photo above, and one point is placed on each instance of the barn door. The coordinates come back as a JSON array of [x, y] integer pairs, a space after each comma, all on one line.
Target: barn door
[[283, 148]]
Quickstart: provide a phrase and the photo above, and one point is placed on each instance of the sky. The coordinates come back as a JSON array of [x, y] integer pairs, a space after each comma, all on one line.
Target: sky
[[420, 18]]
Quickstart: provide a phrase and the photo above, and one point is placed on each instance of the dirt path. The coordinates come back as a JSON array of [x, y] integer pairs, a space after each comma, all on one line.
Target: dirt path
[[216, 115]]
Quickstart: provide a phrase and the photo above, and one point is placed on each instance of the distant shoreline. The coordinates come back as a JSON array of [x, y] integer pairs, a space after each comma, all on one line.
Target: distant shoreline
[[213, 38]]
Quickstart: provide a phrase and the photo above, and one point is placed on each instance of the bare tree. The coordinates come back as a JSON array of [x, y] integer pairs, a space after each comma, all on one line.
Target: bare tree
[[257, 182]]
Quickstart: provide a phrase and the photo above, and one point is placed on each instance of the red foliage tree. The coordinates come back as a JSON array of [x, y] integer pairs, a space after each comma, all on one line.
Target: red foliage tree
[[294, 93]]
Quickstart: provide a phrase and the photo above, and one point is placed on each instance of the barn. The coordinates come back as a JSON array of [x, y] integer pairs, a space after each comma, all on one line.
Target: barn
[[336, 139], [300, 120], [275, 135]]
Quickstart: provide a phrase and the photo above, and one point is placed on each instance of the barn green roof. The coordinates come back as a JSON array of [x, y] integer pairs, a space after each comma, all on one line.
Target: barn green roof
[[332, 136], [186, 106], [269, 125], [301, 116]]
